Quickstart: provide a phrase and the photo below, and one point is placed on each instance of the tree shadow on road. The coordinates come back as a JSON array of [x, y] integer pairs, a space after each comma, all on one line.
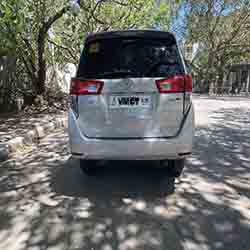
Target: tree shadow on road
[[210, 207], [217, 188], [122, 202], [116, 179], [50, 204], [68, 210]]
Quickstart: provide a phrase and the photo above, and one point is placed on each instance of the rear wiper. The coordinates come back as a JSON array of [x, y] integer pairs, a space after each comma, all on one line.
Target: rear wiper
[[116, 73]]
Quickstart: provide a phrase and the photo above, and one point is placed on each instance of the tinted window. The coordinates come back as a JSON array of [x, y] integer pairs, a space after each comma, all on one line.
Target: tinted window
[[129, 58]]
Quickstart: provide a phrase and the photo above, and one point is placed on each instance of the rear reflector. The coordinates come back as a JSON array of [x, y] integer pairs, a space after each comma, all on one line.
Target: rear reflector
[[177, 84], [85, 87]]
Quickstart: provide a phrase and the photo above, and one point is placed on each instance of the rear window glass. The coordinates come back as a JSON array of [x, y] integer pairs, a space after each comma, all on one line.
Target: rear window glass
[[117, 58]]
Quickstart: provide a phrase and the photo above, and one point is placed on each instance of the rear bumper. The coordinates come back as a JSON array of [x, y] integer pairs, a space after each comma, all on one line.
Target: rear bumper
[[178, 147]]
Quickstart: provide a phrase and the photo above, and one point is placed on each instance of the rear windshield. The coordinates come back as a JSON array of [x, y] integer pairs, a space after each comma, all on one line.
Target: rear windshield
[[117, 58]]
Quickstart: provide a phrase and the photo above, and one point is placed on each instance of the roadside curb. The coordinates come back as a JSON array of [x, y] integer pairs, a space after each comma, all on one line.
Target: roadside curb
[[33, 136]]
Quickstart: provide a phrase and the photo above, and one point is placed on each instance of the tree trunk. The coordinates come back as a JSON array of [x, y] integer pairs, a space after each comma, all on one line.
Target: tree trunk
[[208, 74], [220, 82], [41, 74], [41, 43], [220, 73]]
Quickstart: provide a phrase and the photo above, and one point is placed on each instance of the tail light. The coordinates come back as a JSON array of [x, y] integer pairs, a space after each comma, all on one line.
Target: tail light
[[188, 83], [177, 84], [85, 87]]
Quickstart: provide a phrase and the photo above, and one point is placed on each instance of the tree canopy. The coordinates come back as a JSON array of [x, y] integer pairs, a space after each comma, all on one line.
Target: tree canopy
[[44, 32], [222, 29]]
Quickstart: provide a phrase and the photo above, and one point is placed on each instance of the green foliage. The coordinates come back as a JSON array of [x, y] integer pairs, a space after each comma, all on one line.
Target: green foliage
[[162, 16], [11, 23], [95, 16], [222, 28], [43, 33]]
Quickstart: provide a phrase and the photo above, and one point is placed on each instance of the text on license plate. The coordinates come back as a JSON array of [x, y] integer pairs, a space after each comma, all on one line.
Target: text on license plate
[[130, 102]]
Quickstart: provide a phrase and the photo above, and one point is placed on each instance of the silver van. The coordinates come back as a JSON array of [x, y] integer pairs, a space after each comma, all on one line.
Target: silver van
[[131, 99]]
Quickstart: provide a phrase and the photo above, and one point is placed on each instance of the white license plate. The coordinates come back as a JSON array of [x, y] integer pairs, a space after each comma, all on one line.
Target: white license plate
[[130, 102]]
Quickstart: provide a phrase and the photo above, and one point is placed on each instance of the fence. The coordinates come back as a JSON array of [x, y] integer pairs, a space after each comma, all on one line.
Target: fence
[[7, 80], [228, 91]]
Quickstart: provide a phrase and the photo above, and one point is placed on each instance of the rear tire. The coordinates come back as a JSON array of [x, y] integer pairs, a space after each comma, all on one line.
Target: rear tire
[[89, 167], [174, 167]]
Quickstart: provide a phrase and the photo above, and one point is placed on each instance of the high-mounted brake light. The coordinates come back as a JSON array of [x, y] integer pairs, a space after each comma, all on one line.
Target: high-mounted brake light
[[85, 87], [176, 84]]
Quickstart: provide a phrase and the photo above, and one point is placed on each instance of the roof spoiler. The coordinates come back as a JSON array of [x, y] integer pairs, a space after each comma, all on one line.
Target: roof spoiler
[[151, 34]]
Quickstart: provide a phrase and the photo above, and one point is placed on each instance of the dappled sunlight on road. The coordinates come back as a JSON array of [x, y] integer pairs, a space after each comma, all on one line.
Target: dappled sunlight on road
[[20, 124], [47, 203]]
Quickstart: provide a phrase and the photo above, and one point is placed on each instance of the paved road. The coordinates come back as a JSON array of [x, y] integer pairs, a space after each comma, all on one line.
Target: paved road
[[47, 203]]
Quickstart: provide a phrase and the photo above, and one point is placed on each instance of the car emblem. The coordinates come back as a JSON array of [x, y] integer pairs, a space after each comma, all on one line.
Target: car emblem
[[129, 83]]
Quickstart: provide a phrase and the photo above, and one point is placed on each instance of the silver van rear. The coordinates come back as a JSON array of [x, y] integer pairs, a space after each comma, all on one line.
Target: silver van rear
[[130, 86]]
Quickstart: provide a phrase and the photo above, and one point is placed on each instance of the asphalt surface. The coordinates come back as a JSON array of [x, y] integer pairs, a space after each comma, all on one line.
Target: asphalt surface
[[47, 203]]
